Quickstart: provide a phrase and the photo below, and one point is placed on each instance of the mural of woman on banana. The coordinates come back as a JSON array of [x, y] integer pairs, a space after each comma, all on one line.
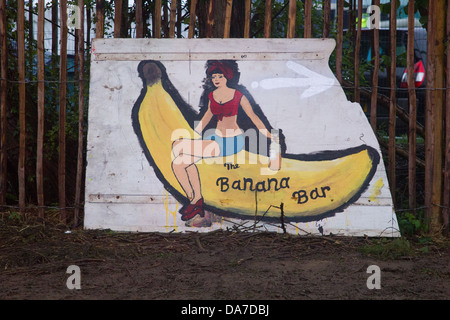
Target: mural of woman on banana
[[310, 187], [224, 102]]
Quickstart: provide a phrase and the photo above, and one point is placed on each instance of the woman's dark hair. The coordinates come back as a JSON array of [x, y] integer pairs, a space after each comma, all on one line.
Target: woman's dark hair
[[228, 68]]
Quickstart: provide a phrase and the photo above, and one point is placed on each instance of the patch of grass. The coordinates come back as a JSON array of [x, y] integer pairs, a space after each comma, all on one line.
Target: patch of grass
[[388, 249]]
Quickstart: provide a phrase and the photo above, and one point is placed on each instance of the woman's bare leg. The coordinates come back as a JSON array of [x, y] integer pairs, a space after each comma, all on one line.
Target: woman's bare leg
[[183, 178], [194, 179], [187, 153]]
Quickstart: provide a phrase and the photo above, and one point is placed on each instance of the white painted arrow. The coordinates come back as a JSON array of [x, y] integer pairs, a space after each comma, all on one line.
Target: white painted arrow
[[316, 82]]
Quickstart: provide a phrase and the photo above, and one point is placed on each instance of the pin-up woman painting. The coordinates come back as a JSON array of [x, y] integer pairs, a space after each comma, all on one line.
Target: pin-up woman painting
[[224, 103]]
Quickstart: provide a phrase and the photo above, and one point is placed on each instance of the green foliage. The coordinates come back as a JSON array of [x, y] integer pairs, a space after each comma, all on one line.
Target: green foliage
[[411, 224], [387, 249]]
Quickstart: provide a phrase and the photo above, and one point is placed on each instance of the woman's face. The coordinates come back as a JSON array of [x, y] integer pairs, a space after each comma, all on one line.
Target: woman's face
[[218, 79]]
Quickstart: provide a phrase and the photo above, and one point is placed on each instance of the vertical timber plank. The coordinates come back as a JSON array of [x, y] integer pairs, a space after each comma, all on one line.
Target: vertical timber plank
[[210, 19], [41, 110], [229, 7], [392, 98], [173, 18], [22, 111], [307, 32], [62, 112], [3, 103], [340, 38], [326, 18], [412, 110], [434, 116], [80, 164], [139, 20], [291, 19], [446, 200], [100, 18], [117, 18], [55, 24], [268, 19], [248, 17], [357, 49], [158, 7], [193, 15], [376, 68]]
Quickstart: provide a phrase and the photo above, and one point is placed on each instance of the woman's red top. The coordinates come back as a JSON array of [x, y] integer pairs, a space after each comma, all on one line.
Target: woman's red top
[[227, 109]]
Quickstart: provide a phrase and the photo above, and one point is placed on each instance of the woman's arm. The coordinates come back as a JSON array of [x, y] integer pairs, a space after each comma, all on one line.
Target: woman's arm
[[205, 120], [255, 119]]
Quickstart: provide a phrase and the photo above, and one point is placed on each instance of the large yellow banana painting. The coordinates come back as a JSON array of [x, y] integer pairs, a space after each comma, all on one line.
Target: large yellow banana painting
[[306, 187]]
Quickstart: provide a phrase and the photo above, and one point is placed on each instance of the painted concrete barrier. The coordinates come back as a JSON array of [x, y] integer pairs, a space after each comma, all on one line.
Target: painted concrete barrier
[[206, 134]]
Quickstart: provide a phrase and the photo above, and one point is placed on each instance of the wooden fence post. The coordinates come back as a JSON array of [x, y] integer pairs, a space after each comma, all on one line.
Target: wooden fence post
[[22, 112], [192, 18], [248, 18], [3, 103], [307, 31], [100, 17], [339, 40], [229, 6], [210, 19], [326, 18], [434, 115], [41, 110], [357, 49], [173, 18], [446, 200], [157, 31], [268, 19], [376, 67], [139, 21], [117, 18], [392, 99], [291, 18], [62, 111], [412, 111], [80, 162]]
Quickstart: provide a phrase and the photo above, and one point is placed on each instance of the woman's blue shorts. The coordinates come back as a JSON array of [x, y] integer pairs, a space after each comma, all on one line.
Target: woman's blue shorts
[[228, 145]]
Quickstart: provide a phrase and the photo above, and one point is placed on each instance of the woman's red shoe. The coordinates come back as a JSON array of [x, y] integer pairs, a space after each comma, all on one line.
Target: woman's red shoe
[[192, 209]]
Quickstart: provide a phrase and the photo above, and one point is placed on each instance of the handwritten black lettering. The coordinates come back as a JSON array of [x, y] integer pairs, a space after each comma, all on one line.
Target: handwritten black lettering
[[231, 166], [304, 196], [245, 184]]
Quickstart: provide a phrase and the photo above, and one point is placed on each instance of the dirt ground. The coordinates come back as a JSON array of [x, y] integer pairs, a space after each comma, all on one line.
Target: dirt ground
[[222, 265]]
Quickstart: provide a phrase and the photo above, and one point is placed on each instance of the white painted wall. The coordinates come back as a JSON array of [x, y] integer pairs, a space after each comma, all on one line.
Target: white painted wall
[[122, 191]]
